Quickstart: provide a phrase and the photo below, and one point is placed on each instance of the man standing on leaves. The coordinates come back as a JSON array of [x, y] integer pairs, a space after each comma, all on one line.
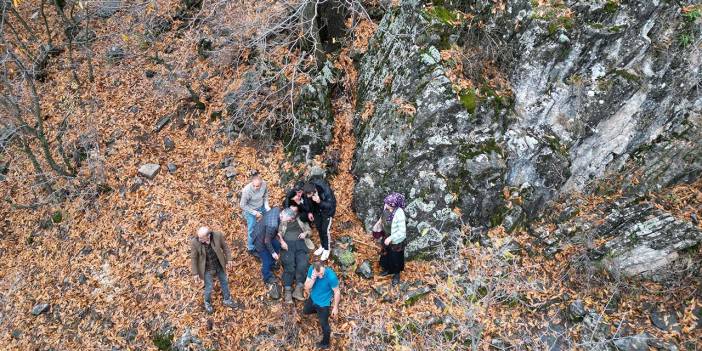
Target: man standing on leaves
[[322, 284], [254, 203], [322, 207], [294, 255], [209, 255], [267, 245]]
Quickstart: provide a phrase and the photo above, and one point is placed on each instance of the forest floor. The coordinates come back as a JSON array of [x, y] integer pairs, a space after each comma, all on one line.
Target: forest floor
[[115, 269]]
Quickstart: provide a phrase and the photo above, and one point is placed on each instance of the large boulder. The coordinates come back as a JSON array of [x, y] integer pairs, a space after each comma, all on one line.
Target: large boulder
[[605, 103], [643, 240], [315, 119], [308, 130], [414, 136], [593, 97]]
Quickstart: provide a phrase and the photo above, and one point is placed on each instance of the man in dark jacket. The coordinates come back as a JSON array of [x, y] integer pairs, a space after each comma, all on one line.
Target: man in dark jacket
[[296, 197], [209, 255], [322, 207], [267, 245]]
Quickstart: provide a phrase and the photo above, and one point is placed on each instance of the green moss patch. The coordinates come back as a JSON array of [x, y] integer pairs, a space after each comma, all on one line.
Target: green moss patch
[[57, 217], [443, 15], [611, 7], [469, 100]]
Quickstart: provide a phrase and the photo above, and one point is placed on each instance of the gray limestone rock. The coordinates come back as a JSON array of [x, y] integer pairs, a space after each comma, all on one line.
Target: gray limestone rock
[[588, 103], [40, 308], [149, 170]]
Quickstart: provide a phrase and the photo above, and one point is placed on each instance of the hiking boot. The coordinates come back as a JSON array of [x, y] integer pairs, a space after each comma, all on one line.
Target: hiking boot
[[319, 251], [325, 255], [396, 279], [384, 273], [228, 302], [288, 295], [273, 291], [298, 294], [208, 308], [321, 345]]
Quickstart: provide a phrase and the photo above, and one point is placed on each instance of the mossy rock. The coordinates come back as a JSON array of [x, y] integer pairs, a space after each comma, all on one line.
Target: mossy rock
[[57, 217], [163, 341], [443, 15], [469, 100], [611, 7], [345, 258]]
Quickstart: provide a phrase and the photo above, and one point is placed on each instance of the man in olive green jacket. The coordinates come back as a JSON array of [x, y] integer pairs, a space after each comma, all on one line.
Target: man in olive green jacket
[[209, 255]]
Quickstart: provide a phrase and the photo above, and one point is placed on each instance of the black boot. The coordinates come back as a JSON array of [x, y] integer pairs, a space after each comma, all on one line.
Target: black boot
[[396, 279], [384, 273], [321, 345]]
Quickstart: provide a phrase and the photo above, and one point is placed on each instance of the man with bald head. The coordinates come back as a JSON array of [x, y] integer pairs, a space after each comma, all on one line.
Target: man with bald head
[[209, 255]]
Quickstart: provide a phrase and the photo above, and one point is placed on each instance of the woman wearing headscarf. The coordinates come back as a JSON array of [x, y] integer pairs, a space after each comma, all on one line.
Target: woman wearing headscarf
[[391, 230]]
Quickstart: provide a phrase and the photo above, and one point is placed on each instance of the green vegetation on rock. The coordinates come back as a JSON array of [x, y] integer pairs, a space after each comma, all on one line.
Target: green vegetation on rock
[[163, 341], [555, 144], [611, 7], [443, 15], [627, 75], [469, 100], [57, 217], [468, 151]]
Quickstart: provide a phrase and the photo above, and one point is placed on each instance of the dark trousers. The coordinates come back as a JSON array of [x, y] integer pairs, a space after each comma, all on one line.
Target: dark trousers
[[323, 316], [224, 284], [267, 261], [392, 261], [295, 262], [323, 225]]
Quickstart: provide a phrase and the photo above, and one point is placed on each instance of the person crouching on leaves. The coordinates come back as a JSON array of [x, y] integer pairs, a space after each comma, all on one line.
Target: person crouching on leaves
[[294, 255], [209, 256], [267, 243], [391, 230]]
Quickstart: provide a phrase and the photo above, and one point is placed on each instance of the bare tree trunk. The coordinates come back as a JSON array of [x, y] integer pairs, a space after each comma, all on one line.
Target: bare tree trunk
[[46, 22], [36, 111], [91, 76], [40, 130], [72, 61], [24, 24], [308, 21], [46, 184], [59, 10], [62, 152], [22, 47]]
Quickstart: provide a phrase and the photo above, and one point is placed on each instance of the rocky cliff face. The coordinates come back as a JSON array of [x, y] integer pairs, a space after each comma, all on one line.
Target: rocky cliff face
[[306, 132], [598, 89], [415, 137]]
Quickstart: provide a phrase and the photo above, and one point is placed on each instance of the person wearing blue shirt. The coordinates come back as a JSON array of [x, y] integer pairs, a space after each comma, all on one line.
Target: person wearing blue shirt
[[323, 288]]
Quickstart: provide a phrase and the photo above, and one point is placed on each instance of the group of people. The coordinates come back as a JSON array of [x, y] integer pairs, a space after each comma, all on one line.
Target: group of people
[[282, 234]]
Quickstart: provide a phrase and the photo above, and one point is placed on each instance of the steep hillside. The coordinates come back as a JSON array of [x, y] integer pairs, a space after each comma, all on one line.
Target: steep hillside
[[550, 152]]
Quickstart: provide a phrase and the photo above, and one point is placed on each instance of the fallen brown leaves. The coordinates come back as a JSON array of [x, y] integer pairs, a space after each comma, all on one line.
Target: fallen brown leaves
[[121, 261]]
